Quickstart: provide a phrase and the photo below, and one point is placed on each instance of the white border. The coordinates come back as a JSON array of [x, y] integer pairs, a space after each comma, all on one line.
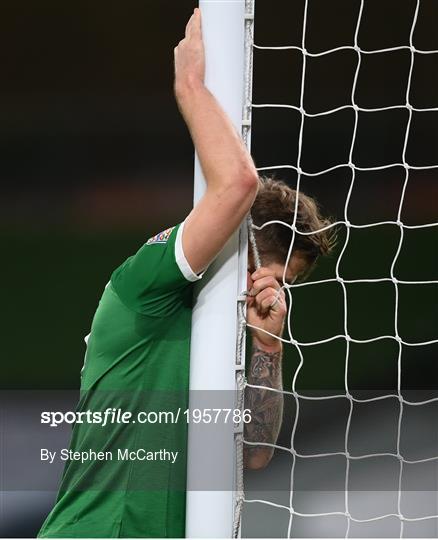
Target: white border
[[181, 260]]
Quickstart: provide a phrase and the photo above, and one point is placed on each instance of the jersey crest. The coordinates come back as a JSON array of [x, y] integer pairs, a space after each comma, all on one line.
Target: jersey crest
[[160, 238]]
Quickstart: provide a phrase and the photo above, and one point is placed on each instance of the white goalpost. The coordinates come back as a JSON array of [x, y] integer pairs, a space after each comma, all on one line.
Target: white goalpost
[[210, 513], [217, 363]]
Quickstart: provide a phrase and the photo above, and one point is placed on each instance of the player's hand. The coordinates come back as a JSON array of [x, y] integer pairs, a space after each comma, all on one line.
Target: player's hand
[[266, 308], [190, 56]]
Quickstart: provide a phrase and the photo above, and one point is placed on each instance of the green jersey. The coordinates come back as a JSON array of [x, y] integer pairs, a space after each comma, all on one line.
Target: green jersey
[[137, 359]]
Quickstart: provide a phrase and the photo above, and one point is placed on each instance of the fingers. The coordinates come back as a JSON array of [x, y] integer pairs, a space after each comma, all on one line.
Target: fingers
[[193, 27], [262, 272], [196, 22], [270, 299], [264, 282], [265, 292], [187, 32], [189, 56]]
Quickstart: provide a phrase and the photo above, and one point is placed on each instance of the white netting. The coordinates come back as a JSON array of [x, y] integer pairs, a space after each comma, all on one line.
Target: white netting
[[396, 337]]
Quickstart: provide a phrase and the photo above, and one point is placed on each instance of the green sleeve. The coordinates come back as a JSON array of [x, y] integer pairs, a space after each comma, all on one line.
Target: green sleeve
[[155, 280]]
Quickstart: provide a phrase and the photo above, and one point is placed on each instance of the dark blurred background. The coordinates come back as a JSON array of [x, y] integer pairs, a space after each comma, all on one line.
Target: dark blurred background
[[95, 158]]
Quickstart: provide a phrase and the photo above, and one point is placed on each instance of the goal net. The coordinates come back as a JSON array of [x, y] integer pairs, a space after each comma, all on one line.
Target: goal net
[[344, 108]]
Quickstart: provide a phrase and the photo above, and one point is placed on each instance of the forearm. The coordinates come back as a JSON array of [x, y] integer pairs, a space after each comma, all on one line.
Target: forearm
[[223, 156], [266, 405]]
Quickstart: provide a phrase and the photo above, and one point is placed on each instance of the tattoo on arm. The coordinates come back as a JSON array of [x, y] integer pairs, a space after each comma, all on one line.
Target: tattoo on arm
[[266, 406]]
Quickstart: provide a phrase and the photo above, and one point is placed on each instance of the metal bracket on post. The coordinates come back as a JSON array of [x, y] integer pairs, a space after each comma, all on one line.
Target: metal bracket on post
[[249, 10]]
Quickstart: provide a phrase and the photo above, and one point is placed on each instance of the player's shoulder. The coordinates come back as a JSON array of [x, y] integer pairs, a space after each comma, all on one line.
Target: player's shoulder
[[172, 253]]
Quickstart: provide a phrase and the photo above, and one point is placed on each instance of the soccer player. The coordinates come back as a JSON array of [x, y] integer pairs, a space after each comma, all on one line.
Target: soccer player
[[138, 349]]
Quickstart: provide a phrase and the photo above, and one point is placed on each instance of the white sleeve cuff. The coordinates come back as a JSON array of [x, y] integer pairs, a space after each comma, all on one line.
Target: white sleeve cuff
[[181, 260]]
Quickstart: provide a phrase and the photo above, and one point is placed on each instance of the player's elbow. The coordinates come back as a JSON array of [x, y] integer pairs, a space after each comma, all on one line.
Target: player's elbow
[[240, 179], [249, 181], [243, 185]]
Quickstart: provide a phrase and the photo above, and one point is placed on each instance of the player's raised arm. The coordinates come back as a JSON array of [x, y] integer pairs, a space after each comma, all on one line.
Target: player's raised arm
[[229, 171]]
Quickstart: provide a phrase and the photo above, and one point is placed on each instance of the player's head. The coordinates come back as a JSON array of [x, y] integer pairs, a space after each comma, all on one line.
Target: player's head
[[276, 201]]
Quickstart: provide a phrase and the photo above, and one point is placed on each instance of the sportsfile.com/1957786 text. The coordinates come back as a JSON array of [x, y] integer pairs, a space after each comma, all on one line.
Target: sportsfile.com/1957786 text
[[118, 416]]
